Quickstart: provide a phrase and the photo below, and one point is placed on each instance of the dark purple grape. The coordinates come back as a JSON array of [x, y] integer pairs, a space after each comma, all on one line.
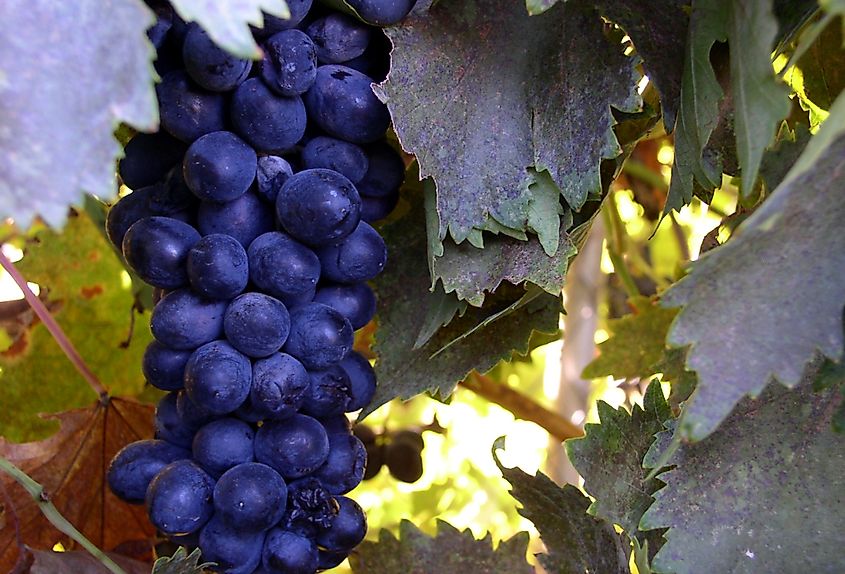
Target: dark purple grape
[[148, 157], [289, 66], [295, 446], [256, 324], [170, 426], [218, 377], [183, 320], [279, 385], [244, 218], [217, 267], [274, 24], [347, 528], [269, 122], [289, 553], [382, 12], [273, 172], [223, 444], [187, 111], [362, 380], [328, 394], [310, 507], [163, 367], [250, 497], [219, 167], [344, 469], [377, 208], [360, 256], [235, 551], [355, 301], [157, 250], [135, 465], [343, 157], [385, 172], [319, 336], [179, 498], [339, 38], [283, 268], [209, 65]]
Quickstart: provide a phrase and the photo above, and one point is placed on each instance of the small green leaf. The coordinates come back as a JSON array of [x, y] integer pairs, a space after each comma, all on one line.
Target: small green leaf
[[181, 563], [610, 458], [576, 542], [91, 297], [69, 74], [227, 21], [521, 91], [762, 494], [637, 343], [449, 551], [405, 369], [780, 273]]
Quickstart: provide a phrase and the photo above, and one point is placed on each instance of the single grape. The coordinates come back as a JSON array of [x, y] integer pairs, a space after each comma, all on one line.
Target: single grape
[[338, 38], [273, 172], [377, 208], [328, 394], [170, 426], [343, 104], [318, 206], [289, 66], [289, 553], [326, 559], [274, 24], [310, 507], [361, 256], [295, 446], [209, 65], [279, 385], [148, 157], [179, 498], [244, 218], [218, 377], [163, 367], [267, 121], [348, 159], [347, 528], [193, 415], [256, 324], [172, 196], [382, 12], [355, 301], [187, 111], [217, 267], [223, 444], [135, 465], [157, 250], [183, 320], [335, 424], [344, 469], [362, 380], [235, 551], [250, 497], [125, 212], [402, 456], [219, 167], [385, 171], [283, 268], [319, 336], [157, 33]]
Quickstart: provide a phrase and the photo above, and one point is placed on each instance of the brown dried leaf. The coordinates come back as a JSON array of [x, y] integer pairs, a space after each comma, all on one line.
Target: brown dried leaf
[[71, 466], [49, 562]]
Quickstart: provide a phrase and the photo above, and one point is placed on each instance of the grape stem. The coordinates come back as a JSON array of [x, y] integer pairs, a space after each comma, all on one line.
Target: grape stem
[[521, 406], [51, 513], [53, 327]]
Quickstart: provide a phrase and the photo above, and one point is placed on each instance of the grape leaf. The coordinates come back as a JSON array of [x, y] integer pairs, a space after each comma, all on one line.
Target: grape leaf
[[479, 91], [80, 562], [610, 458], [93, 298], [778, 160], [449, 551], [181, 563], [781, 270], [71, 466], [575, 541], [637, 343], [823, 66], [65, 86], [226, 21], [774, 505], [405, 369], [539, 6]]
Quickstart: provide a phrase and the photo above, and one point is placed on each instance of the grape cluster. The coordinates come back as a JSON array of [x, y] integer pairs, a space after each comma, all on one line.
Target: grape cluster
[[400, 451], [250, 216]]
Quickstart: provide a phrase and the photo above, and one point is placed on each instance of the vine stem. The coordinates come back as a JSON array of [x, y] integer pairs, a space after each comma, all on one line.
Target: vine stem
[[53, 327], [521, 406], [51, 513]]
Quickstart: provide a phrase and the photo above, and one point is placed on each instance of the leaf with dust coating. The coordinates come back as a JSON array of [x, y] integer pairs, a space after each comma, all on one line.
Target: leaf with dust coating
[[404, 369], [80, 562], [637, 343], [576, 542], [64, 97], [781, 270], [93, 298], [610, 458], [449, 551], [227, 21], [780, 466], [181, 563], [71, 465], [480, 92]]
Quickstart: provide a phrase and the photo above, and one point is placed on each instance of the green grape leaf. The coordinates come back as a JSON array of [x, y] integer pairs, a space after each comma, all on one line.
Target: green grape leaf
[[404, 368], [781, 270], [637, 343], [181, 563], [761, 494], [68, 76], [610, 458], [576, 542], [93, 299], [480, 92], [659, 30], [227, 21], [823, 66], [778, 160], [450, 550]]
